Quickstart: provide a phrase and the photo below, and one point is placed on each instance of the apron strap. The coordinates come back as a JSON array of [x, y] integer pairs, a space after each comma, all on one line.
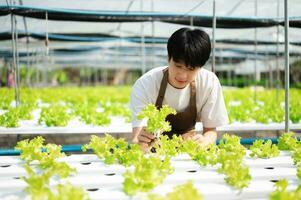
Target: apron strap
[[163, 86], [192, 100]]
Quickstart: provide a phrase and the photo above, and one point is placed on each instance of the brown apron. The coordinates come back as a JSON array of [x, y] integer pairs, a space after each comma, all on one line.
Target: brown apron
[[183, 122]]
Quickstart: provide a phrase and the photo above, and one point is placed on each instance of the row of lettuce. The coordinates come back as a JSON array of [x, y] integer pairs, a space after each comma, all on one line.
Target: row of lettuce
[[146, 171], [96, 105], [59, 106], [264, 106]]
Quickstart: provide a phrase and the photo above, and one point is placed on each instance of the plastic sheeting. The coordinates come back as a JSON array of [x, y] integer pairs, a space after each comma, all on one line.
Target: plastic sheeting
[[91, 37], [122, 16]]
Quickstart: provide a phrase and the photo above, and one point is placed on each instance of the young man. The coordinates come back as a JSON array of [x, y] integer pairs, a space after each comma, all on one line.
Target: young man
[[194, 92]]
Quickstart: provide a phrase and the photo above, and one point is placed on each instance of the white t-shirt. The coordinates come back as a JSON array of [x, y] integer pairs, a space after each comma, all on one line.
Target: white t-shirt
[[211, 107]]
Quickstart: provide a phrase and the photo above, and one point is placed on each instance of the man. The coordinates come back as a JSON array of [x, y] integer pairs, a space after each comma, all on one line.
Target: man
[[194, 92]]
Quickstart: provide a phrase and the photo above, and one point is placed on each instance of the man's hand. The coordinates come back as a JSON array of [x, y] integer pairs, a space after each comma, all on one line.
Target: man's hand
[[191, 135], [188, 135], [199, 138], [208, 137], [144, 138]]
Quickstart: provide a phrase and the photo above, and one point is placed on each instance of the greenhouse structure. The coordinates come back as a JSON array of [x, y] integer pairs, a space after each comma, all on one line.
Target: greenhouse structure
[[82, 115]]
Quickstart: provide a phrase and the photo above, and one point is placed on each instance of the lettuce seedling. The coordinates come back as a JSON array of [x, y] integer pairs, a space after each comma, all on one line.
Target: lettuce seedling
[[156, 123], [263, 149], [180, 192]]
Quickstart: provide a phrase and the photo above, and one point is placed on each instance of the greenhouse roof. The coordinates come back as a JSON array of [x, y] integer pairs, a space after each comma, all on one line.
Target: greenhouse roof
[[117, 25]]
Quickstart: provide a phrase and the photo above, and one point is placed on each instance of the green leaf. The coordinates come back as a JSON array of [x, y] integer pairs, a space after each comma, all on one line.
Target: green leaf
[[263, 149], [180, 192], [287, 141], [147, 174], [156, 123]]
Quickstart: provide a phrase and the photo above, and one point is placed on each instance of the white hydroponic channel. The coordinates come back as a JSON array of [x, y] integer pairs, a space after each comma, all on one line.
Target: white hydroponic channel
[[119, 125], [105, 181]]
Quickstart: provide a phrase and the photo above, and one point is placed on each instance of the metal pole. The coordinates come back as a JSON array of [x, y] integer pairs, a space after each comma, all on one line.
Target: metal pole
[[255, 59], [277, 56], [213, 38], [287, 69], [270, 74], [191, 22], [27, 62], [153, 34], [47, 39], [37, 68], [142, 42], [27, 49], [13, 28], [17, 59]]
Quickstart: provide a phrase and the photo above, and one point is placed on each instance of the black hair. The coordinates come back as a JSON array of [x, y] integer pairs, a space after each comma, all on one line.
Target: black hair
[[191, 46]]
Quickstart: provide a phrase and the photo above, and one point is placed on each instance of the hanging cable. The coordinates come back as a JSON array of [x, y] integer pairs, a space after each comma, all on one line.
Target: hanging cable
[[195, 7], [234, 8], [127, 10], [120, 23]]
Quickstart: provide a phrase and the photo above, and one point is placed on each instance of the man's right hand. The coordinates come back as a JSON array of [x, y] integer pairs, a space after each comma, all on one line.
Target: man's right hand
[[143, 138]]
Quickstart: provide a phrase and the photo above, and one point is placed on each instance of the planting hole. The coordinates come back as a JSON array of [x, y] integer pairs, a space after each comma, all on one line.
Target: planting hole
[[110, 174], [92, 189], [17, 177], [269, 167], [274, 181], [85, 163], [5, 165], [191, 171]]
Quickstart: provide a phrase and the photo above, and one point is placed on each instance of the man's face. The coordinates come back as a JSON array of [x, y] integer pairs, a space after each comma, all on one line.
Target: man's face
[[180, 75]]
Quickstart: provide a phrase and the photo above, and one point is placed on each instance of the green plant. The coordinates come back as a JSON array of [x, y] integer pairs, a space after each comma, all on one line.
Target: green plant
[[207, 155], [168, 147], [55, 115], [156, 123], [281, 193], [263, 149], [67, 191], [9, 119], [287, 141], [237, 174], [114, 150], [147, 174], [299, 170], [231, 144], [230, 156], [180, 192], [38, 176]]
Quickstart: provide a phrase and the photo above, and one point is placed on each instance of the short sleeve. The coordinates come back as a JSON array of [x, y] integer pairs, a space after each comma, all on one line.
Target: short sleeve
[[213, 111], [138, 101]]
